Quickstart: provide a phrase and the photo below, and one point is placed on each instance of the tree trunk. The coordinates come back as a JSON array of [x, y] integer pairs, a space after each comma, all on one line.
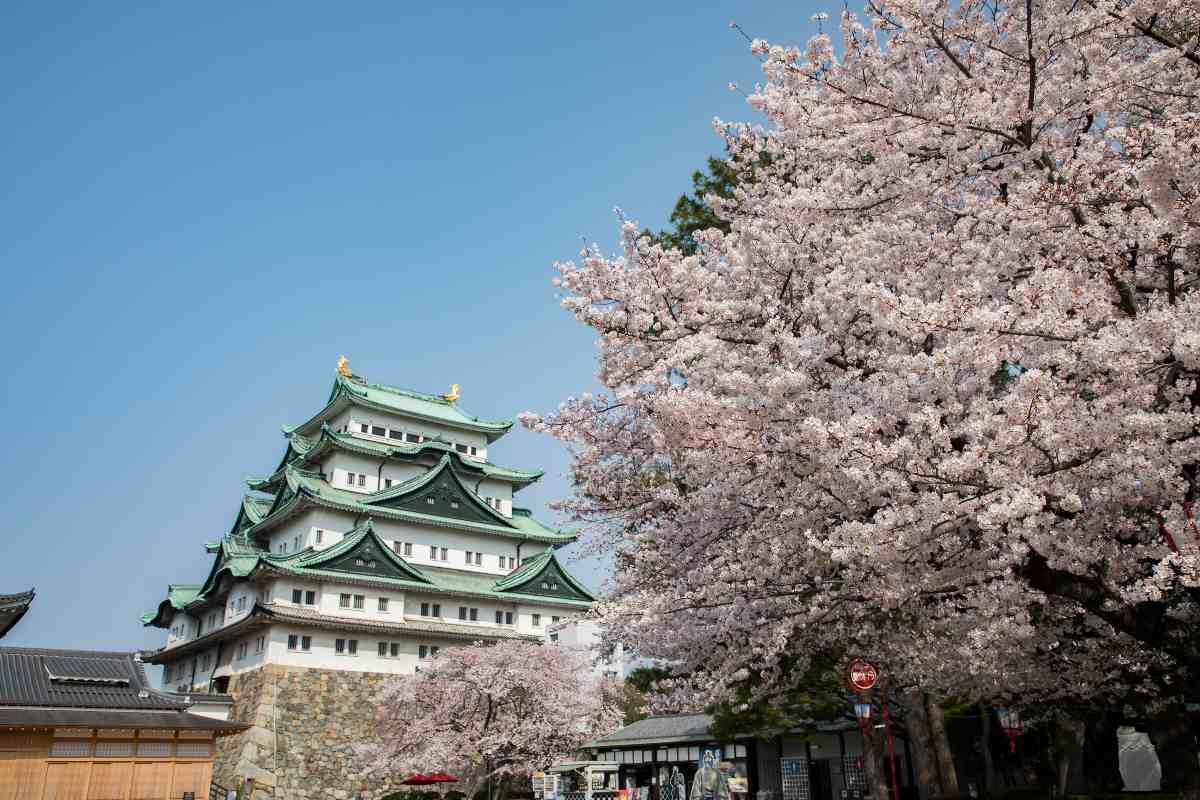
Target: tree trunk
[[872, 757], [916, 724], [985, 746], [1067, 745], [1172, 736], [1101, 756], [941, 748]]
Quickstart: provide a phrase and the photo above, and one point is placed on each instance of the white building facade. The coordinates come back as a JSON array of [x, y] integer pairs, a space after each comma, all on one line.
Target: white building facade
[[383, 535]]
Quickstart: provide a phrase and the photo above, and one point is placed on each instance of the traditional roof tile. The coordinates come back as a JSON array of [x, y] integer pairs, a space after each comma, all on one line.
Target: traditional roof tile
[[12, 608], [357, 391], [41, 686]]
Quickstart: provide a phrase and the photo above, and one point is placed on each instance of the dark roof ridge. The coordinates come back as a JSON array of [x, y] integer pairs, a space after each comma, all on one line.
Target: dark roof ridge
[[53, 651]]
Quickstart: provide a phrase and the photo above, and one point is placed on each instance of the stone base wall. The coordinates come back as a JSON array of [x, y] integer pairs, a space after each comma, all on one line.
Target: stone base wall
[[307, 724]]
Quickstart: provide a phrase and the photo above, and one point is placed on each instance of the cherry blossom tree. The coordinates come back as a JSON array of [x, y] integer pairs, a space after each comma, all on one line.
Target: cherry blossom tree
[[933, 398], [481, 711]]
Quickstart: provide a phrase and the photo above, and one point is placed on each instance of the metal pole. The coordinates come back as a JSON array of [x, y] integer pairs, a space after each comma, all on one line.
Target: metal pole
[[887, 726]]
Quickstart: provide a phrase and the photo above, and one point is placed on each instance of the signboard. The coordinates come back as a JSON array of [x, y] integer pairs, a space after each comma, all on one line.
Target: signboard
[[862, 675]]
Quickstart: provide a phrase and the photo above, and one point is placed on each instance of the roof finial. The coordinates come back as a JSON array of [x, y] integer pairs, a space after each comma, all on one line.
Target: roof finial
[[452, 395], [343, 367]]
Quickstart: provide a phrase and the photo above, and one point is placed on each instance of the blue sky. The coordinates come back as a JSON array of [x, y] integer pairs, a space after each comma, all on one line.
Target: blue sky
[[205, 204]]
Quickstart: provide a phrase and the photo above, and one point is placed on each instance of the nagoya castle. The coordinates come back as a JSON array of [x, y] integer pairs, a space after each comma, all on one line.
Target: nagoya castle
[[384, 534]]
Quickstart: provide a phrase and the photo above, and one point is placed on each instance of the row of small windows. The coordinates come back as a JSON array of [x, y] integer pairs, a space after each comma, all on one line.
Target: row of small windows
[[471, 557], [409, 437]]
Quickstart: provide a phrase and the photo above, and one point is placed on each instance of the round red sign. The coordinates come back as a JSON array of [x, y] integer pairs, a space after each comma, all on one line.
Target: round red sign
[[862, 675]]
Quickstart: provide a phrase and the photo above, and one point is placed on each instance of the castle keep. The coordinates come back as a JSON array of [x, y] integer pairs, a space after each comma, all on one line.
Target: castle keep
[[384, 534]]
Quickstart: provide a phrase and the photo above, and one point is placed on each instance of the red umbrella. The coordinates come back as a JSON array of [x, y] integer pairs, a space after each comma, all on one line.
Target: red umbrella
[[441, 777], [418, 780]]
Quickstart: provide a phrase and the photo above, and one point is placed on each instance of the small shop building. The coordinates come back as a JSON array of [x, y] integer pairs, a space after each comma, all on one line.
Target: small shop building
[[820, 763], [87, 725]]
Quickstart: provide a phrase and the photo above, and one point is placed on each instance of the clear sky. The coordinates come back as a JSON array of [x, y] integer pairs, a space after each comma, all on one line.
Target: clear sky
[[205, 204]]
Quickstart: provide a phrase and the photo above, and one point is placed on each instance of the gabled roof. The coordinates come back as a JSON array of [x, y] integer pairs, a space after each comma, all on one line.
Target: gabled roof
[[543, 576], [362, 544], [439, 491], [302, 489], [362, 557], [106, 689], [307, 450], [12, 608], [178, 596], [354, 390]]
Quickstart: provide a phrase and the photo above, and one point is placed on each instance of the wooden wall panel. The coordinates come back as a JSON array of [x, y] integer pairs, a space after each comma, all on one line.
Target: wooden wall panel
[[110, 781], [67, 780], [20, 776], [192, 777], [151, 780]]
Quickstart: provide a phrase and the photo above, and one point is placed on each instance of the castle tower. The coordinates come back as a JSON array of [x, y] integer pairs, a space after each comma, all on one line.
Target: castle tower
[[384, 534]]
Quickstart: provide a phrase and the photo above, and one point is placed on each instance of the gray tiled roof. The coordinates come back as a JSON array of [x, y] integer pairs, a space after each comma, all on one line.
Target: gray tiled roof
[[12, 608], [100, 718], [77, 679], [664, 728]]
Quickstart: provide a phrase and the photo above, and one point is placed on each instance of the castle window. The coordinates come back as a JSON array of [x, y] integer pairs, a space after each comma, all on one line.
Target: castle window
[[445, 554], [437, 610], [349, 478], [261, 644], [423, 651], [474, 615], [408, 548], [383, 604], [297, 596], [395, 649], [424, 609], [554, 637], [362, 427], [339, 646], [293, 641], [395, 434], [241, 651], [306, 643], [430, 500], [310, 598], [343, 601], [320, 534], [474, 450], [462, 612], [469, 557], [462, 448], [377, 430], [499, 617], [387, 483], [479, 559], [554, 620], [508, 618], [360, 601], [383, 650], [454, 504], [537, 620], [412, 437], [362, 479], [432, 553], [352, 646]]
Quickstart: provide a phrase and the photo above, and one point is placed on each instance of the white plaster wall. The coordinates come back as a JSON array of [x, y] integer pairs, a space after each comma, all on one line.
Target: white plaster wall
[[324, 656], [330, 598], [354, 417], [187, 624], [242, 590]]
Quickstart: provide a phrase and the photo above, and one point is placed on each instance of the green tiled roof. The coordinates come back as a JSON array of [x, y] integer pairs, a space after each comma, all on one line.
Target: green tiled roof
[[303, 487], [357, 391], [178, 596], [310, 447], [239, 558]]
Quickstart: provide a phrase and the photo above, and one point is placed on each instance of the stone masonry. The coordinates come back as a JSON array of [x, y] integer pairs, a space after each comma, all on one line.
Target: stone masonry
[[307, 724]]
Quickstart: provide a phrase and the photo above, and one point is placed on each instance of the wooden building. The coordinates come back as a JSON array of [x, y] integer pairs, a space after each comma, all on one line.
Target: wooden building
[[84, 725]]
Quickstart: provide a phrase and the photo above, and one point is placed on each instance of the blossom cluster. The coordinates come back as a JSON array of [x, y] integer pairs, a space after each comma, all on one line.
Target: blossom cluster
[[934, 398]]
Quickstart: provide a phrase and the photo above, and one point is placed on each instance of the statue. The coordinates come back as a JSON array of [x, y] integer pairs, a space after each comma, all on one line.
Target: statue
[[709, 784], [343, 367], [452, 395]]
